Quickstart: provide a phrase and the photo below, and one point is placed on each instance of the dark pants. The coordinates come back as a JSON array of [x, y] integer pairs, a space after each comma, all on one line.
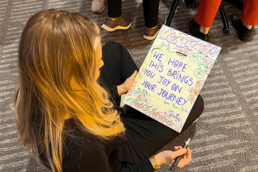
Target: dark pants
[[144, 134], [150, 9]]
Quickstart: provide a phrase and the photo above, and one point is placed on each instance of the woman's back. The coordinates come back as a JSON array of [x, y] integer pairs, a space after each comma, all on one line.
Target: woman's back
[[67, 118], [58, 68]]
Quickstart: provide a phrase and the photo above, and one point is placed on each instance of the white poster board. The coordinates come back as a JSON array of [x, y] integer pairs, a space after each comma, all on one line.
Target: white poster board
[[171, 77]]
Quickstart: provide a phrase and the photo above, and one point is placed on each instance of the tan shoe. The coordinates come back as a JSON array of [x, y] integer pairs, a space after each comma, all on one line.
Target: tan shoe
[[151, 33], [98, 6], [121, 23]]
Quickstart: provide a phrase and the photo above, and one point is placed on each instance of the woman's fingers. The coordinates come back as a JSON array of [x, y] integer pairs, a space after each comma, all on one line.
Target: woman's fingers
[[168, 157], [132, 77], [189, 154], [185, 159], [177, 147], [128, 83], [178, 152]]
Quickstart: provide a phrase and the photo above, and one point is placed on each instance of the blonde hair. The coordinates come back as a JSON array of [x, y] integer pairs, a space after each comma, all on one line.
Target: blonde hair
[[57, 47]]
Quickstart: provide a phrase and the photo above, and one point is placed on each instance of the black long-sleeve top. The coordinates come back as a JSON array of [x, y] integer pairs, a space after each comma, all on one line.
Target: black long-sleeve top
[[88, 153], [84, 152]]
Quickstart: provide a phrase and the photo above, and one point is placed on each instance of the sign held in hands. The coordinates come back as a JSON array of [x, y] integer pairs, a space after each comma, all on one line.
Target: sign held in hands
[[171, 77]]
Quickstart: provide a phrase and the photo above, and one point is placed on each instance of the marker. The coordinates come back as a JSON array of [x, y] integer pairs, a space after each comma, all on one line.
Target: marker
[[174, 165], [181, 53]]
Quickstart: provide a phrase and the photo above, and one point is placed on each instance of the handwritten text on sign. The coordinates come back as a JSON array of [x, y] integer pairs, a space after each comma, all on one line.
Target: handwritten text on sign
[[170, 79]]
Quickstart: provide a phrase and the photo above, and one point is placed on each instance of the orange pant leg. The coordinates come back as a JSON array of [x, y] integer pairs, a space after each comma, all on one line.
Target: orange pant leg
[[207, 11], [250, 12]]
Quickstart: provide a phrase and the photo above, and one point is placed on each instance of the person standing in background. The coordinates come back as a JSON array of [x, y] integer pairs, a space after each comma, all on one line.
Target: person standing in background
[[98, 6], [207, 10], [116, 21]]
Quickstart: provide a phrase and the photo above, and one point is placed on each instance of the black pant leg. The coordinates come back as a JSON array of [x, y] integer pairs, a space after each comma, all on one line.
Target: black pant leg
[[114, 8], [118, 66], [195, 113], [151, 12], [147, 135]]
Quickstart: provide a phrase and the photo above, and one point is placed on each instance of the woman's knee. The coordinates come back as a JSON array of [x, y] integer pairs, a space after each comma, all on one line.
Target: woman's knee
[[112, 51], [113, 46], [200, 103], [197, 109]]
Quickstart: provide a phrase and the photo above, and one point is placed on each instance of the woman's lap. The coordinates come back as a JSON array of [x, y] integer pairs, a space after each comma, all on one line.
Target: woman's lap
[[148, 135], [145, 134]]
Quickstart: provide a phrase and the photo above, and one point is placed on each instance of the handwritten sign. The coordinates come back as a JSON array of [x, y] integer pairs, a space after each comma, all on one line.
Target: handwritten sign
[[171, 77]]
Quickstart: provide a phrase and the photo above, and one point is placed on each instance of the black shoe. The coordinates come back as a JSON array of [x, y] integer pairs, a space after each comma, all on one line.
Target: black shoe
[[194, 30], [244, 34]]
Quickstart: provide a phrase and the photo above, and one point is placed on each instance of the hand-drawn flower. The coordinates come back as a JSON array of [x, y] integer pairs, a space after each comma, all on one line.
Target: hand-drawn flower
[[195, 57], [139, 92], [198, 84], [202, 66], [199, 74], [193, 93]]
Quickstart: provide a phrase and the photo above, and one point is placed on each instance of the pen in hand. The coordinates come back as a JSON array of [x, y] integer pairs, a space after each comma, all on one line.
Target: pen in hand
[[175, 163]]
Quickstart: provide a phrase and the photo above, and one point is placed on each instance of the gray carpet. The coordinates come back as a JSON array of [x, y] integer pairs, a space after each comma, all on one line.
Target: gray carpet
[[226, 133]]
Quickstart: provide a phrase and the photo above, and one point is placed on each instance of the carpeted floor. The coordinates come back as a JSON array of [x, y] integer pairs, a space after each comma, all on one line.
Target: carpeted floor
[[226, 134]]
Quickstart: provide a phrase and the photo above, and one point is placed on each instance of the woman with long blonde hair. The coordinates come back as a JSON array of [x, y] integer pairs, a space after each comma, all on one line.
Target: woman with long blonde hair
[[68, 95]]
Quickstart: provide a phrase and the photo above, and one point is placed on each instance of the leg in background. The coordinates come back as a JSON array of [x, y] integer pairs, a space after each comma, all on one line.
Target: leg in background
[[115, 20], [151, 12], [200, 25], [98, 6], [249, 18], [207, 11], [204, 30], [250, 12], [152, 23], [114, 8]]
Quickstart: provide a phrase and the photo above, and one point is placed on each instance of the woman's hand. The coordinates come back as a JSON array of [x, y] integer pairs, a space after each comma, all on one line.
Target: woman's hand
[[123, 88], [168, 157]]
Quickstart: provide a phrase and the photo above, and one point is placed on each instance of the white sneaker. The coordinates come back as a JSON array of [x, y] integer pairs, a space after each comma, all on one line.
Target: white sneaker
[[98, 6]]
